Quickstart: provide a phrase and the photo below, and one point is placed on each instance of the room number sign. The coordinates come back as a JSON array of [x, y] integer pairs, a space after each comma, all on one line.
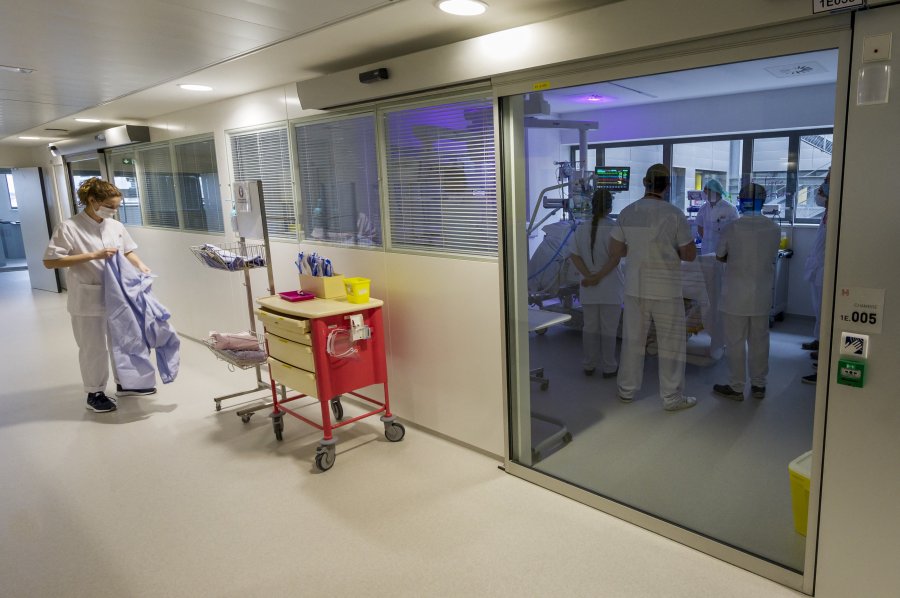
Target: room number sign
[[829, 5], [860, 309]]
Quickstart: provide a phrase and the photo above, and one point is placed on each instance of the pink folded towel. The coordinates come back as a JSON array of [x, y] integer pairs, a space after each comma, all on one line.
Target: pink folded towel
[[236, 341]]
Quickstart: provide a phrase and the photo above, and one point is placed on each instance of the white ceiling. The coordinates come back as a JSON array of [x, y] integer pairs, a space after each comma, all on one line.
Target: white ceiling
[[797, 70], [120, 60]]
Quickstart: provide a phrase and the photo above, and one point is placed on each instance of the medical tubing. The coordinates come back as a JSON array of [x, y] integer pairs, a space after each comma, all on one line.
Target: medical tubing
[[552, 259], [330, 344]]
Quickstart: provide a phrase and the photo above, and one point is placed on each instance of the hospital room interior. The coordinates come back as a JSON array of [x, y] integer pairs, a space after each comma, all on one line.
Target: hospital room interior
[[768, 122]]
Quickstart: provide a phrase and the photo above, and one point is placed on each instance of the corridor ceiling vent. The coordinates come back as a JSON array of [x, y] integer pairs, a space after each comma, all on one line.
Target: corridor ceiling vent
[[463, 8], [796, 70]]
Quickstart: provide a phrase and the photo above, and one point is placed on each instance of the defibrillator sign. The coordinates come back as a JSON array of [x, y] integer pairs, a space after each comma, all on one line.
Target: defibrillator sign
[[830, 5]]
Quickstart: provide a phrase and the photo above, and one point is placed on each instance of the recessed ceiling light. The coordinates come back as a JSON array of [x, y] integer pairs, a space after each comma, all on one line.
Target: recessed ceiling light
[[22, 70], [28, 137], [192, 87], [464, 8], [88, 120]]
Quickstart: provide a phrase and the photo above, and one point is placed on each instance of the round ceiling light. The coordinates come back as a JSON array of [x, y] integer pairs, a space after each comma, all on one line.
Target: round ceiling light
[[192, 87], [464, 8]]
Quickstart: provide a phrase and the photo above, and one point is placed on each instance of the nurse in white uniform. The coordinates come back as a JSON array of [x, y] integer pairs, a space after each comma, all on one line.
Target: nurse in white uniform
[[815, 270], [749, 248], [714, 215], [600, 298], [82, 243]]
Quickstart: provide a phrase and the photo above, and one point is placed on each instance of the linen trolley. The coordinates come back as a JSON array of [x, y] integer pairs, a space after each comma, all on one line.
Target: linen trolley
[[325, 348]]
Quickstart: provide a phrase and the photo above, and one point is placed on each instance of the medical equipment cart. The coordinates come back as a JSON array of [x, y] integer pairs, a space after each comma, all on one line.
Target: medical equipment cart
[[325, 348]]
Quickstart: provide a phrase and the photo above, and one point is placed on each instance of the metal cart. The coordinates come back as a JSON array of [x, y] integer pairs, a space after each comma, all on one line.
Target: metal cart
[[325, 348]]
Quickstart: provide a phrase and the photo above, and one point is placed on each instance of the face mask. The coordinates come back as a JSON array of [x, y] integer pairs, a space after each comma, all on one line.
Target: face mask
[[105, 212]]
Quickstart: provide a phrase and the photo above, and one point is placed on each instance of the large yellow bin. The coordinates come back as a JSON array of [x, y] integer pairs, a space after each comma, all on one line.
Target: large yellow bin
[[799, 470]]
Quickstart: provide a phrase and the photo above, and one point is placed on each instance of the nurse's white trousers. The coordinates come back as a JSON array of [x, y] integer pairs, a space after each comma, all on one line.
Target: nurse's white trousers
[[668, 316], [741, 331], [601, 326], [93, 355]]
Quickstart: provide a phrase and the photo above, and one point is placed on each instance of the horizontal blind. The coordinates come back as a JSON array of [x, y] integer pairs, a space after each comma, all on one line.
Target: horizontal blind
[[197, 178], [265, 155], [339, 181], [158, 186], [441, 178]]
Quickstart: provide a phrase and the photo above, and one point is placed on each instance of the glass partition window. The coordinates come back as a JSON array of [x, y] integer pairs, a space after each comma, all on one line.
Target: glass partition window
[[339, 181], [170, 185], [814, 162], [639, 158], [704, 161], [771, 159], [441, 178], [82, 168], [643, 386], [121, 166]]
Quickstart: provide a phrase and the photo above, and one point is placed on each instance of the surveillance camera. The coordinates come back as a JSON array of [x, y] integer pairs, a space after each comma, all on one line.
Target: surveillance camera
[[54, 151]]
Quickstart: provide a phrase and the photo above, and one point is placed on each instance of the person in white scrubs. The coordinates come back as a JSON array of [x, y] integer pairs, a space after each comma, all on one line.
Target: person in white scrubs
[[713, 216], [82, 243], [749, 248], [815, 271], [656, 237], [600, 297]]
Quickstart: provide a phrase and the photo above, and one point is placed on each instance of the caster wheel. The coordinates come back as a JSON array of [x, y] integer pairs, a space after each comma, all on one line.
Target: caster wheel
[[218, 406], [541, 332], [535, 456], [545, 385], [567, 438], [337, 409], [246, 417], [394, 432], [277, 426], [324, 460]]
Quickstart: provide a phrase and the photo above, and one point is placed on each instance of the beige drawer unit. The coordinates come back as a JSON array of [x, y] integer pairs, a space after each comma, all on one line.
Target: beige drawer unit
[[293, 377], [291, 352], [293, 329]]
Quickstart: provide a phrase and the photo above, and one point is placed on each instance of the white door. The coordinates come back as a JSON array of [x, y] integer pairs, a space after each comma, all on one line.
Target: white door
[[35, 226]]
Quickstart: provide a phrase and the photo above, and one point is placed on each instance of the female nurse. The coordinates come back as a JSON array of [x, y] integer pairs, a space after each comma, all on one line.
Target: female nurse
[[82, 244]]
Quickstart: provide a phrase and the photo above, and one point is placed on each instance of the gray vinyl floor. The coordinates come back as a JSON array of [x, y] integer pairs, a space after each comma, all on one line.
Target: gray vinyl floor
[[720, 469], [166, 497]]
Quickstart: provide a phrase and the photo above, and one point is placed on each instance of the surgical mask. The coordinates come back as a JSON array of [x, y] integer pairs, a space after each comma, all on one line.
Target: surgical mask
[[105, 212]]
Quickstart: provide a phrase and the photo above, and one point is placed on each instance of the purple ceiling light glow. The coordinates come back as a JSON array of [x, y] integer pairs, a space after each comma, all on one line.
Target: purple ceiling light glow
[[594, 98]]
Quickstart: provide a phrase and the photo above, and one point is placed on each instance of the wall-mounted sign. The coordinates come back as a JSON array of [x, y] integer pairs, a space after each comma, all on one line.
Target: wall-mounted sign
[[860, 309], [830, 5]]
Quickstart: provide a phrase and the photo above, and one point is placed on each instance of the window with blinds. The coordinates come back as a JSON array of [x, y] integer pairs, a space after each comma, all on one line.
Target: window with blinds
[[171, 185], [441, 178], [339, 180], [157, 186], [197, 183], [121, 165], [265, 155]]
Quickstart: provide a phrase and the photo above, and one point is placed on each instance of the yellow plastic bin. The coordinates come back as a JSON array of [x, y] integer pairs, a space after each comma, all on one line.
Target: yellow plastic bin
[[799, 470], [357, 289]]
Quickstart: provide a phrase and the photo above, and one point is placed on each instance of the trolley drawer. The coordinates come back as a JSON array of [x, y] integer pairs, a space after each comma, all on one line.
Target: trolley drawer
[[290, 352], [293, 329], [299, 380]]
